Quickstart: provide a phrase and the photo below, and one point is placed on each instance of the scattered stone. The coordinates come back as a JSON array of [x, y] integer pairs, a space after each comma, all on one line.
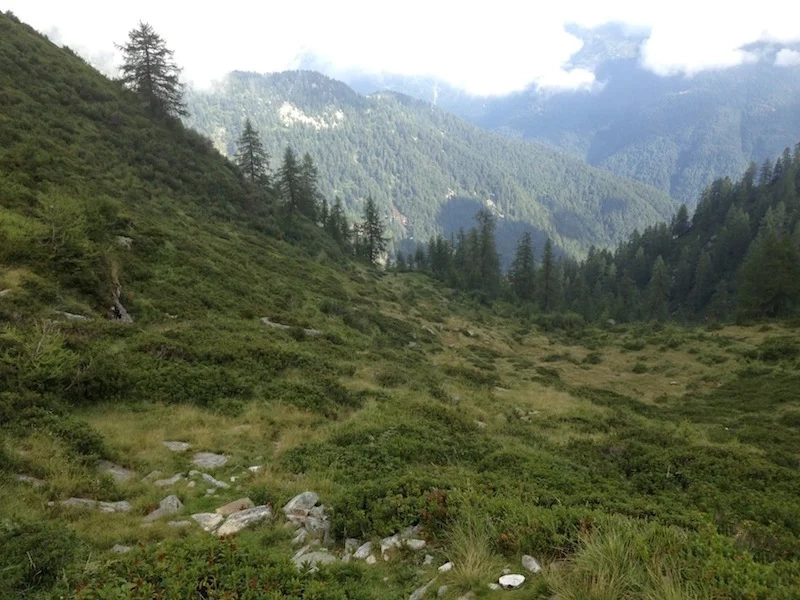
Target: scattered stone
[[480, 424], [351, 544], [442, 591], [208, 521], [495, 586], [312, 559], [317, 527], [121, 549], [302, 551], [170, 481], [118, 472], [112, 507], [364, 551], [302, 502], [179, 524], [151, 476], [300, 538], [611, 322], [416, 545], [292, 525], [243, 519], [530, 563], [413, 344], [235, 506], [419, 593], [428, 329], [86, 503], [168, 506], [255, 468], [673, 383], [428, 560], [191, 484], [209, 460], [73, 316], [470, 595], [455, 399], [501, 389], [446, 567], [274, 325], [34, 481], [5, 292], [506, 571], [178, 446], [511, 582], [371, 560], [215, 482], [233, 478], [390, 542]]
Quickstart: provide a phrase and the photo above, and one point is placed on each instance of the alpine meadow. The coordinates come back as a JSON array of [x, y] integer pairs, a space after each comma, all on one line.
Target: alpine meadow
[[227, 371]]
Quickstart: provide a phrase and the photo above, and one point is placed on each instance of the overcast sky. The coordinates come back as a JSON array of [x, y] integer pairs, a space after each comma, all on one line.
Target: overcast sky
[[482, 47]]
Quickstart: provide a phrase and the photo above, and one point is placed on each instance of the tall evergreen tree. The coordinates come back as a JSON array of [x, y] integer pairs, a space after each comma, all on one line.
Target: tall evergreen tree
[[658, 290], [373, 243], [488, 258], [308, 197], [289, 182], [149, 69], [549, 284], [251, 157], [337, 226], [523, 271]]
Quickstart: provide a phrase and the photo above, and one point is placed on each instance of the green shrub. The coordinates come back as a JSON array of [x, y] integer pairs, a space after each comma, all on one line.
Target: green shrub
[[33, 555], [639, 368]]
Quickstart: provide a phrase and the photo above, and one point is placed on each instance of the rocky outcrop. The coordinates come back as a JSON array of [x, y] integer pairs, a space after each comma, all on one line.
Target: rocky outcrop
[[168, 506], [244, 519], [235, 506]]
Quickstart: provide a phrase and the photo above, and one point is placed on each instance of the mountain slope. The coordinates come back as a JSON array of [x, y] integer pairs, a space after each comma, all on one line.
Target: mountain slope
[[428, 170], [675, 133]]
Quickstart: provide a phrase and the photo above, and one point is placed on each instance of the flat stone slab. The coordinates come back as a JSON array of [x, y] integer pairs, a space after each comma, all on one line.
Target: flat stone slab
[[302, 502], [209, 460], [208, 521], [169, 481], [88, 504], [530, 563], [119, 473], [511, 582], [168, 506], [243, 519], [415, 544], [235, 506], [215, 482], [177, 446], [363, 552], [312, 559]]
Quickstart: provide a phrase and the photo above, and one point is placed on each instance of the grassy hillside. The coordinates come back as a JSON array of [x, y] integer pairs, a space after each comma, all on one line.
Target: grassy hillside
[[429, 171], [632, 462]]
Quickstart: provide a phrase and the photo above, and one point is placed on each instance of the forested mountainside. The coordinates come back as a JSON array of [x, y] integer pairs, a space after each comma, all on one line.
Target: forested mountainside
[[428, 171], [676, 133], [277, 419], [738, 256]]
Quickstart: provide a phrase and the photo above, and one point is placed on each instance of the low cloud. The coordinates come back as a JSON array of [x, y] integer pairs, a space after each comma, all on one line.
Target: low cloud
[[485, 49], [787, 58]]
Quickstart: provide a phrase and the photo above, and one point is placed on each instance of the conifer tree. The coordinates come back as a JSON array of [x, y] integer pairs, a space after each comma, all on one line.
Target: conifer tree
[[523, 271], [488, 258], [373, 243], [149, 69], [308, 196], [289, 182], [336, 225], [251, 157], [549, 284], [658, 290]]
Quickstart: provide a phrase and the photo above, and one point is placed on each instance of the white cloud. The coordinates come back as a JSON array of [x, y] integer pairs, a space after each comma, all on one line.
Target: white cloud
[[488, 48], [787, 58]]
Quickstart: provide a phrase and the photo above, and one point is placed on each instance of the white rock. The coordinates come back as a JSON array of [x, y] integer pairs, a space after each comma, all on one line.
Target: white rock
[[302, 551], [428, 560], [305, 501], [170, 481], [416, 545], [191, 484], [442, 591], [410, 532], [255, 468], [209, 460], [179, 524], [390, 542], [530, 563], [35, 482], [118, 472], [300, 537], [120, 549], [495, 586], [168, 506], [215, 482], [351, 545], [419, 593], [5, 292], [208, 521], [364, 551], [371, 560], [178, 446], [470, 595], [448, 566], [243, 519], [511, 582], [121, 506], [151, 476]]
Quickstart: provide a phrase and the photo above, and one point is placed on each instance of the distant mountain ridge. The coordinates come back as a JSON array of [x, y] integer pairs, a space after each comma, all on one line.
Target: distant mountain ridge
[[428, 170], [675, 133]]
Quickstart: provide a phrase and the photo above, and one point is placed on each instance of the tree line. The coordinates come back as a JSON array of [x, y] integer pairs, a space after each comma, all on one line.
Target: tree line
[[149, 70], [738, 255]]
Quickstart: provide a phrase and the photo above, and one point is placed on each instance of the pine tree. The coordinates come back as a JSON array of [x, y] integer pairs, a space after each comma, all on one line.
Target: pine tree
[[658, 290], [308, 196], [488, 259], [324, 212], [337, 226], [680, 222], [523, 271], [549, 284], [251, 157], [149, 70], [374, 244], [289, 182]]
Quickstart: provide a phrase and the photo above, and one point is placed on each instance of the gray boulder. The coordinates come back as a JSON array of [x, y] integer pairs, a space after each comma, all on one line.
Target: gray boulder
[[530, 563], [302, 502], [235, 506], [312, 559], [168, 506], [364, 551], [420, 592], [121, 549], [244, 519], [177, 446], [119, 473], [208, 521], [215, 482], [511, 582], [209, 460]]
